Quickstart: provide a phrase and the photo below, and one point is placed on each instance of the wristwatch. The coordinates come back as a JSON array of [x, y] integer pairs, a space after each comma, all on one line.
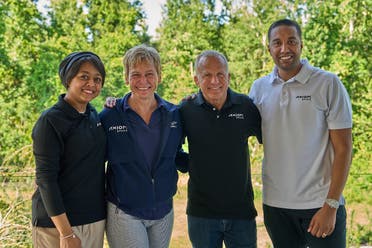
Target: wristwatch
[[332, 203]]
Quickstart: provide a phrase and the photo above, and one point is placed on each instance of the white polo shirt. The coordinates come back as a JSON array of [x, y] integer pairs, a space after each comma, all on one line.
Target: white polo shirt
[[296, 118]]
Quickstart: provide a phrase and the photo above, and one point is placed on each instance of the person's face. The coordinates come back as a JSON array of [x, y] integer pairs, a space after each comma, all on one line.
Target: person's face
[[285, 48], [143, 79], [213, 80], [85, 86]]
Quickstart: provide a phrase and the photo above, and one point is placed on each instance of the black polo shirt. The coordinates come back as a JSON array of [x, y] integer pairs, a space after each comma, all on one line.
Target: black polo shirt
[[220, 183], [69, 151]]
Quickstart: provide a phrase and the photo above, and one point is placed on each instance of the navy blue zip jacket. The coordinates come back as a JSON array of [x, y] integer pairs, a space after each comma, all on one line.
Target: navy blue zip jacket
[[131, 184]]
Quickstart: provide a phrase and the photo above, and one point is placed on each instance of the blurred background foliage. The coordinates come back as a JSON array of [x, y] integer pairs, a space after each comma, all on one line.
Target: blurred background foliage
[[337, 37]]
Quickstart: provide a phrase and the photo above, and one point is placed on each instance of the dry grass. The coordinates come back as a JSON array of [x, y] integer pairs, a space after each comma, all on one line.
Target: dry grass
[[15, 214], [180, 237]]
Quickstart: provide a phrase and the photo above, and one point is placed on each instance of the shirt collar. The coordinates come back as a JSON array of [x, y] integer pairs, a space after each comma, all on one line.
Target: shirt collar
[[71, 111], [230, 100], [160, 101], [302, 76]]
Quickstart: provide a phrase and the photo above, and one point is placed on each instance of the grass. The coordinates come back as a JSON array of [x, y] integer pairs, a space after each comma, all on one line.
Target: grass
[[17, 186]]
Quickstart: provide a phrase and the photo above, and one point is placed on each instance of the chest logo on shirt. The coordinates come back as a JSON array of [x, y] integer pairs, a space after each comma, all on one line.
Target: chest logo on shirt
[[303, 98], [99, 124], [174, 124], [237, 116], [118, 129]]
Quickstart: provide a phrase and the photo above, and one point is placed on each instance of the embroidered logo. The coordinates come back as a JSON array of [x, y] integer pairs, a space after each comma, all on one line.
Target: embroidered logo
[[303, 98], [99, 124], [118, 129], [174, 124], [237, 116]]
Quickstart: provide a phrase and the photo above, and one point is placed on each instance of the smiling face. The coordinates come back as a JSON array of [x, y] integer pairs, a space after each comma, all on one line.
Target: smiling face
[[84, 86], [212, 77], [285, 47], [143, 79]]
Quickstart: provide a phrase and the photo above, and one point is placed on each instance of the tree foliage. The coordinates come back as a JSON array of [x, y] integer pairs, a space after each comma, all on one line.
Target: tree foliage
[[32, 45], [189, 27], [336, 37]]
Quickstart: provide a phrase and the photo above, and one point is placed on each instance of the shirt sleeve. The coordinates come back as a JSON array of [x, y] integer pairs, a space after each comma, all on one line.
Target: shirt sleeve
[[47, 147], [182, 161], [339, 114], [258, 129], [252, 93]]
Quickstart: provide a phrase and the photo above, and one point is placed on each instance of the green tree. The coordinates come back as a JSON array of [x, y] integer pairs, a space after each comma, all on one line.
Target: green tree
[[33, 45], [338, 36], [20, 37], [189, 27], [114, 27], [245, 38]]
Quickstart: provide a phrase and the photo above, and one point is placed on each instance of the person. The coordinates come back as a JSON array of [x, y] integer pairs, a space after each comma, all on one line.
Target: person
[[217, 124], [68, 206], [306, 125], [144, 138]]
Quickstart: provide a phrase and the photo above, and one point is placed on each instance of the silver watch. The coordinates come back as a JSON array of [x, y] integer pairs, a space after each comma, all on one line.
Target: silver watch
[[332, 203]]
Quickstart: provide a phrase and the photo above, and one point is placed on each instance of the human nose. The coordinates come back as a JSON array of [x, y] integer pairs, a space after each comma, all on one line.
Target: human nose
[[90, 81], [214, 79], [284, 47], [142, 78]]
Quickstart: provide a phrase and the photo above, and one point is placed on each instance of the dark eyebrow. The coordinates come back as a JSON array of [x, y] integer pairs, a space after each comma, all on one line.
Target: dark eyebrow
[[87, 72]]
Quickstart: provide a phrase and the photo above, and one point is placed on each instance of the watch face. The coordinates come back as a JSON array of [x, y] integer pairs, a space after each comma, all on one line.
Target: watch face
[[332, 203]]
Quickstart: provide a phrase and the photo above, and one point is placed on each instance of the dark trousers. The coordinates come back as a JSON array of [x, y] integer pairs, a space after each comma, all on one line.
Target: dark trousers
[[211, 233], [287, 228]]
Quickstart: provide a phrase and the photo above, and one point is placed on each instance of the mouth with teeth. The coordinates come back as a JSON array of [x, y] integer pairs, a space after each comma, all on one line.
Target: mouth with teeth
[[286, 58], [89, 92], [215, 88], [143, 88]]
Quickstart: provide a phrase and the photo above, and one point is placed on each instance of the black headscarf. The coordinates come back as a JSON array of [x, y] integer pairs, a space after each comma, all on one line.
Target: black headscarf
[[70, 65]]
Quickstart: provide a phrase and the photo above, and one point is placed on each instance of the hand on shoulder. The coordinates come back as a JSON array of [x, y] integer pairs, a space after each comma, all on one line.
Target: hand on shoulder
[[110, 102]]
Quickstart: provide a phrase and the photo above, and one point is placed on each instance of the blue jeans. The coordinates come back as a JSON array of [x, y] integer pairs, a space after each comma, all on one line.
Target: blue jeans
[[287, 228], [210, 233]]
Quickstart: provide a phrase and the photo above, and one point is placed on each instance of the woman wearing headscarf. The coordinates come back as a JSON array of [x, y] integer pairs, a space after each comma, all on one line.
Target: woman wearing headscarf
[[68, 206]]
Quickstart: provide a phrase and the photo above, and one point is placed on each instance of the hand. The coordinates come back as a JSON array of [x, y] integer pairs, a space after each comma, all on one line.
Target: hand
[[71, 242], [189, 97], [110, 102], [323, 222]]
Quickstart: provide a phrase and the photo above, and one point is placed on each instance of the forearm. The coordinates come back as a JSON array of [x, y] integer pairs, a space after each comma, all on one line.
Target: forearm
[[62, 224], [342, 144]]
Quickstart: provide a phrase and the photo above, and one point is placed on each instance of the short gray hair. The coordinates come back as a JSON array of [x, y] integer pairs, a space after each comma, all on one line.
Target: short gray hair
[[207, 54]]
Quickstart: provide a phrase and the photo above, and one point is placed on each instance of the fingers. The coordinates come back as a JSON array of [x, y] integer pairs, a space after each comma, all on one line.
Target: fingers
[[189, 97], [311, 226], [320, 232], [110, 102]]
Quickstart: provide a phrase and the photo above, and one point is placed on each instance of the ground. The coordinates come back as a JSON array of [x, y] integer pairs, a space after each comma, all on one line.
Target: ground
[[179, 236]]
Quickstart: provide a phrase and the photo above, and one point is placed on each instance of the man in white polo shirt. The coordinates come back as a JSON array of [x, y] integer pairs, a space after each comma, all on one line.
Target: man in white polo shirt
[[306, 125]]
